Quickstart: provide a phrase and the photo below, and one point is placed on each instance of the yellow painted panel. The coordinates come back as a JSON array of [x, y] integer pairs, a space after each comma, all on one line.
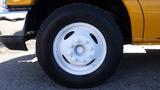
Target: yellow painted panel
[[136, 18], [151, 9], [20, 2]]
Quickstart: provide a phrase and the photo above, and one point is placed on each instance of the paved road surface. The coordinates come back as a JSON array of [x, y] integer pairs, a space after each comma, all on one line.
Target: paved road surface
[[21, 71]]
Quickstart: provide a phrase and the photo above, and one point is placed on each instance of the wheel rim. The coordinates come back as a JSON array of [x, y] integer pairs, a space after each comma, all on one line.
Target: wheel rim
[[79, 48]]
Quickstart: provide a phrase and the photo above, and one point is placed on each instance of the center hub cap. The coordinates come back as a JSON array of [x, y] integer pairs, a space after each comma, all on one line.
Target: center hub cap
[[80, 49]]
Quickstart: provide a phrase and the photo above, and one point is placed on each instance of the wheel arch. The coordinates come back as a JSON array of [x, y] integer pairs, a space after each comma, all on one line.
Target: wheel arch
[[43, 8]]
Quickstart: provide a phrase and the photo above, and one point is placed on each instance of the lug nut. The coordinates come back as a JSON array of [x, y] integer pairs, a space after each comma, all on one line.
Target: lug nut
[[86, 42], [90, 48], [78, 40], [70, 54], [91, 56], [74, 59], [71, 46]]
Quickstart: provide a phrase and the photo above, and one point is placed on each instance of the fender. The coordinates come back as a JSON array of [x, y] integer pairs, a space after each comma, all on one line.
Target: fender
[[137, 20]]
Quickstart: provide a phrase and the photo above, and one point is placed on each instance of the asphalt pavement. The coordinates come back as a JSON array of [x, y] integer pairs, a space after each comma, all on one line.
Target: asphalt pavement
[[20, 70]]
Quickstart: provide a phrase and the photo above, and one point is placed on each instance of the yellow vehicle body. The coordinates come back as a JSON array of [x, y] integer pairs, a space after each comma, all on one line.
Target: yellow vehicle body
[[20, 2], [144, 17], [151, 10], [145, 20]]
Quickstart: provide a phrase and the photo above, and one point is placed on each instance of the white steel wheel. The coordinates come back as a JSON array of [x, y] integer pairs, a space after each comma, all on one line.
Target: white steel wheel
[[79, 48]]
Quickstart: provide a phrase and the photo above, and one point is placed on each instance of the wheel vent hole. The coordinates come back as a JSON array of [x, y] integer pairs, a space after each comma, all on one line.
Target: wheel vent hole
[[91, 62], [69, 35], [94, 38], [65, 59]]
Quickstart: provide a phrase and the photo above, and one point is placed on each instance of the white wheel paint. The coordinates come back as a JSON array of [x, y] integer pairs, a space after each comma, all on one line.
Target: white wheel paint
[[79, 53]]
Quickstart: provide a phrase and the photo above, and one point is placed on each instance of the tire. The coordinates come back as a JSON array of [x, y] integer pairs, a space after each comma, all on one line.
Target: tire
[[72, 72]]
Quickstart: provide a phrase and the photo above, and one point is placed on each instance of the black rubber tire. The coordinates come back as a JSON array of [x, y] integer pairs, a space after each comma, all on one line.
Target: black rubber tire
[[79, 13]]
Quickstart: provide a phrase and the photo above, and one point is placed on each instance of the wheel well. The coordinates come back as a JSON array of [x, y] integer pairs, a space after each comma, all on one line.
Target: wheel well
[[43, 8]]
